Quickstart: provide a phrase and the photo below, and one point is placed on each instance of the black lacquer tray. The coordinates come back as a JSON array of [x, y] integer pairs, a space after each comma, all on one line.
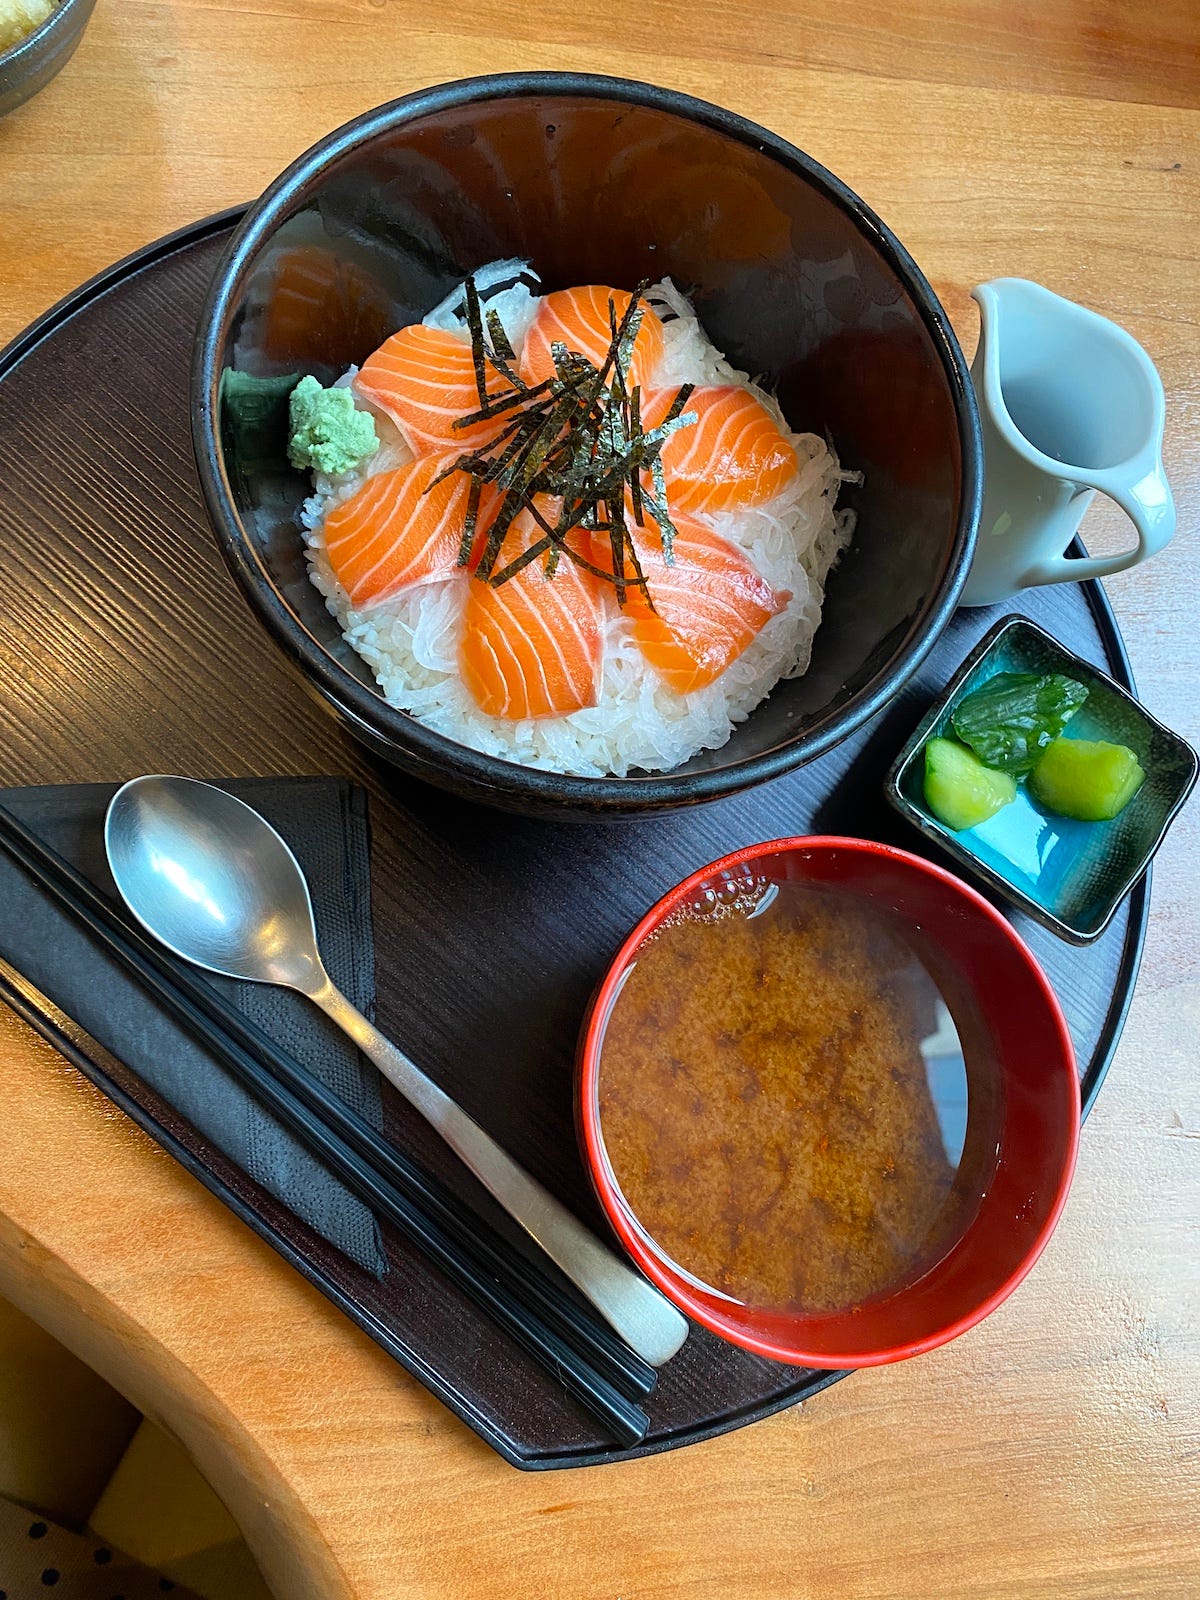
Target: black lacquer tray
[[124, 648]]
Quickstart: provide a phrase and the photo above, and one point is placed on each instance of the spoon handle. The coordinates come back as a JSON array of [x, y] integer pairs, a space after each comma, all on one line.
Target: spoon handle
[[644, 1318]]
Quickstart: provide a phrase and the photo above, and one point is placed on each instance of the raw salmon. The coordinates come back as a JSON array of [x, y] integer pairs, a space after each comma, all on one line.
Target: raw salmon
[[708, 606], [579, 319], [397, 531], [424, 378], [534, 646], [732, 458]]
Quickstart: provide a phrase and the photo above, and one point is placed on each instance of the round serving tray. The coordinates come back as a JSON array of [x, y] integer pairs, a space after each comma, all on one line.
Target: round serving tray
[[125, 648]]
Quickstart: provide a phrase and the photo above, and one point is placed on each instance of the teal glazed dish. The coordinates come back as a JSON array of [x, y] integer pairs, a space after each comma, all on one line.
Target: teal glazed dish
[[1070, 875]]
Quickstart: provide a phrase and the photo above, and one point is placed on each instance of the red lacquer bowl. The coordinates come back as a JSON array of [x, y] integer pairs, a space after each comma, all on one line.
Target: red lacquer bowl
[[1038, 1121]]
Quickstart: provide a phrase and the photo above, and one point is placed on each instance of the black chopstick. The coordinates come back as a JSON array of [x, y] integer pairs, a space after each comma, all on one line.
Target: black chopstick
[[545, 1290], [389, 1182]]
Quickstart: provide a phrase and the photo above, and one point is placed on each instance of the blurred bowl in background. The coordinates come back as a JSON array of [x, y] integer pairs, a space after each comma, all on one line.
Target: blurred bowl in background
[[42, 54]]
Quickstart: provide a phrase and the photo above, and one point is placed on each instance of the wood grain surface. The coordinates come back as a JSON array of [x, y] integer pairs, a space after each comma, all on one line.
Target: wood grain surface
[[1054, 1451]]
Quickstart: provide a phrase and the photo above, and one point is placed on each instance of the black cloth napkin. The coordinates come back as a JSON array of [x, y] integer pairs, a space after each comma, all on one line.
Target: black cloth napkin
[[324, 820]]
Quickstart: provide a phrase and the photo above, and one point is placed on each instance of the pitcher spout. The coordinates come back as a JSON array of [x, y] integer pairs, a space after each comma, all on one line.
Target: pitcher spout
[[1074, 393]]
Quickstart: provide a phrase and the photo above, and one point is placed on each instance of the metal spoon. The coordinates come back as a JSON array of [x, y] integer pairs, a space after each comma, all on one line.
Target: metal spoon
[[212, 880]]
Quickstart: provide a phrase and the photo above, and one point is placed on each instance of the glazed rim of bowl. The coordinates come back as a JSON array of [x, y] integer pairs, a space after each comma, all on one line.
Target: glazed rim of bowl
[[364, 705], [634, 1238]]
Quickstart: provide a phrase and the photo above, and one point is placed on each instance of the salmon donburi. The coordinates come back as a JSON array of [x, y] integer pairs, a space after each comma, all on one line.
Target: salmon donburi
[[563, 529]]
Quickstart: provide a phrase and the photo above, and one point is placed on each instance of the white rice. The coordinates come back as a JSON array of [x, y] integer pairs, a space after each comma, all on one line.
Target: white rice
[[411, 641]]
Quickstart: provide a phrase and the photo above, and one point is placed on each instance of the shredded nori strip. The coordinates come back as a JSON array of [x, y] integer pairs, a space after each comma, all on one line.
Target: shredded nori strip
[[577, 437], [468, 536], [478, 349], [500, 344]]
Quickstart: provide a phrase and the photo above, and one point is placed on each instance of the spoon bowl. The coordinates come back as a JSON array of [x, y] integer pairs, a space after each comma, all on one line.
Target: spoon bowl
[[213, 881]]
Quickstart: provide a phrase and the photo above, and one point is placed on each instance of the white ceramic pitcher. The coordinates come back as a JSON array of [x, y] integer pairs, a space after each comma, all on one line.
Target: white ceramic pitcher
[[1069, 403]]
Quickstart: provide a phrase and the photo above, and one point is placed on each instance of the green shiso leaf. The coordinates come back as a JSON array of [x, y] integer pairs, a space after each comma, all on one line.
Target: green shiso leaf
[[1015, 716]]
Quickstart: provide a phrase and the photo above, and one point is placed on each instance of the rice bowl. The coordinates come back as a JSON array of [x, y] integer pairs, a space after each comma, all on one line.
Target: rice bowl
[[411, 640], [792, 274]]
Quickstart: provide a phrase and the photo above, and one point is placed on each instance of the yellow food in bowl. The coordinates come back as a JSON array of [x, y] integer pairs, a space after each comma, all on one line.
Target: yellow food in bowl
[[18, 19]]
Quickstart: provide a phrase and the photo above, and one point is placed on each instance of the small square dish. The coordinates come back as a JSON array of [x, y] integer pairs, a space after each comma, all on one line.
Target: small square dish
[[1070, 875]]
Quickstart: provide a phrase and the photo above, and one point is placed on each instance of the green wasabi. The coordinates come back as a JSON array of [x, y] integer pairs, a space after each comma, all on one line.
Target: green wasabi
[[328, 432]]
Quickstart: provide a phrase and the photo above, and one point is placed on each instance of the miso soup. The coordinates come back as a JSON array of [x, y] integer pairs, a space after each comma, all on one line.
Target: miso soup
[[796, 1096]]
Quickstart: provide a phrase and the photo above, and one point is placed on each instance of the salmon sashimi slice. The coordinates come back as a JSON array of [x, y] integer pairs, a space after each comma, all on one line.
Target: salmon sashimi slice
[[733, 457], [533, 646], [708, 606], [579, 319], [424, 378], [397, 530]]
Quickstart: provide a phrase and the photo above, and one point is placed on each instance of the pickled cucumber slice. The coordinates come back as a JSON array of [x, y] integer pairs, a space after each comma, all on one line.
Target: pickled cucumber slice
[[959, 789], [1087, 779], [1016, 715]]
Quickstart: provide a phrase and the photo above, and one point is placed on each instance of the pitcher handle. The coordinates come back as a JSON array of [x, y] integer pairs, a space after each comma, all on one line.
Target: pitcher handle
[[1149, 505]]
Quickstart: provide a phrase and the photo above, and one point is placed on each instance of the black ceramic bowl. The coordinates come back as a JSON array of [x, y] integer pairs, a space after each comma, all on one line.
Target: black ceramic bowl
[[597, 180], [42, 54]]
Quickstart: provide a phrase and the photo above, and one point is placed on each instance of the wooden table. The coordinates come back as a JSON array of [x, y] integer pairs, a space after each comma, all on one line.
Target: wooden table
[[1054, 1451]]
